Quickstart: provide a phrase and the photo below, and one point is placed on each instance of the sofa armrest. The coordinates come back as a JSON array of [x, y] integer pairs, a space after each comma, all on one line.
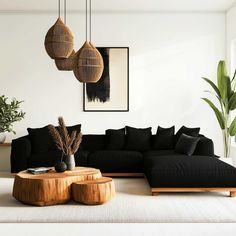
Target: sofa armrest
[[205, 147], [20, 152]]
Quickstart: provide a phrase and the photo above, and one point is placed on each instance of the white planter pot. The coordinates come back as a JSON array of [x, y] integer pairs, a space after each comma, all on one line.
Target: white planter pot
[[227, 160], [2, 137]]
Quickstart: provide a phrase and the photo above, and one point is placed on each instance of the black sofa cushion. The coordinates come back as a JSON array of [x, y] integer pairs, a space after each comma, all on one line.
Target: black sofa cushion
[[186, 144], [188, 131], [116, 161], [93, 142], [45, 159], [42, 140], [164, 139], [138, 139], [73, 128], [171, 171], [20, 153], [205, 147], [115, 139]]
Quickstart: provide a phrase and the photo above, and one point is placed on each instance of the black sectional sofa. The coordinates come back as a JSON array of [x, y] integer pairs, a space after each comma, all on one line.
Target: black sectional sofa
[[183, 161]]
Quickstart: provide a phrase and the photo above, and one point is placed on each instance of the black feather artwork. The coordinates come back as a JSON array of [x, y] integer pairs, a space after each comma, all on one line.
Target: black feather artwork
[[100, 91]]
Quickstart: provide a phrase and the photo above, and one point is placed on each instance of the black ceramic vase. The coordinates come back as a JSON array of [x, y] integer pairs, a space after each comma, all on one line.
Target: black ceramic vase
[[70, 162], [60, 166]]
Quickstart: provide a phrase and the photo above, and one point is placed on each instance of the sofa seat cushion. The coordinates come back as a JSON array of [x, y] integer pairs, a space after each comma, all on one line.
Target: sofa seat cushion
[[188, 171], [119, 161], [159, 153]]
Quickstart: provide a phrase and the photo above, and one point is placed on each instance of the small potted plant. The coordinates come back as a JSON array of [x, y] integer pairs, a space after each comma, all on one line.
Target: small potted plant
[[67, 143], [9, 113]]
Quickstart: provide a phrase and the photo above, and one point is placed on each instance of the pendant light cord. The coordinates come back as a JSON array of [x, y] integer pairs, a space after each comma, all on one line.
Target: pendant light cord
[[59, 8], [86, 16], [90, 20], [90, 13], [65, 12]]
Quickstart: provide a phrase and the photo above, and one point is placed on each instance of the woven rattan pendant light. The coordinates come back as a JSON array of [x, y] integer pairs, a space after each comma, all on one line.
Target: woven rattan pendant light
[[67, 63], [59, 39], [88, 63]]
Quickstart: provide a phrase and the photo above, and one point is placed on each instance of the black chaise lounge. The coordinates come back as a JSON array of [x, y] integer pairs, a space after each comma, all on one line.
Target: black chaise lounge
[[134, 152]]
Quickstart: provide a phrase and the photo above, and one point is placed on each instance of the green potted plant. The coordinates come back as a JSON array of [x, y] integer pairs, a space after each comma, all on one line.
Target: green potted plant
[[9, 113], [225, 94]]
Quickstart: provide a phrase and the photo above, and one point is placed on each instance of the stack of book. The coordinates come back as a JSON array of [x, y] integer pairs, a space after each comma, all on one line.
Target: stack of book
[[38, 170]]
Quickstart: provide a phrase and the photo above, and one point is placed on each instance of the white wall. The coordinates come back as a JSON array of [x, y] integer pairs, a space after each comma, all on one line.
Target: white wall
[[169, 52], [231, 54], [231, 38]]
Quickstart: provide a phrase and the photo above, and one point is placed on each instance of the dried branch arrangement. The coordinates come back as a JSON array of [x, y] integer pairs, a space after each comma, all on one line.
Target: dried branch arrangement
[[67, 143]]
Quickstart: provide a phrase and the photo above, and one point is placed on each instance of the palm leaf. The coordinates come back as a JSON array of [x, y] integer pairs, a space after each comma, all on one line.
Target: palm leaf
[[232, 128], [233, 76], [233, 81], [232, 102], [218, 114], [231, 94], [206, 91], [213, 86], [228, 87], [221, 82]]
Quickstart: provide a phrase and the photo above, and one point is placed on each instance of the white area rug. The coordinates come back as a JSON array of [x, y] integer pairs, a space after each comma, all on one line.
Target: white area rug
[[132, 204]]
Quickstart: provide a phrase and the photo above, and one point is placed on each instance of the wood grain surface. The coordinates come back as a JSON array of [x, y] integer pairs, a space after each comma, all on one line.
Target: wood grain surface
[[93, 192], [50, 188]]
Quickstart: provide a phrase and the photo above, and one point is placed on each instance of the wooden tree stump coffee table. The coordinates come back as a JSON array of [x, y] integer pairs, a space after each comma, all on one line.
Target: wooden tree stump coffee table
[[93, 192], [50, 188]]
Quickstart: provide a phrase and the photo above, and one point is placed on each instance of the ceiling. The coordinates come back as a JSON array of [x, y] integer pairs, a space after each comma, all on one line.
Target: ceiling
[[119, 5]]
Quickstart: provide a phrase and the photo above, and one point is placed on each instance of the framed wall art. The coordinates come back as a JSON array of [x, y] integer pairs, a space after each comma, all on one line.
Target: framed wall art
[[111, 92]]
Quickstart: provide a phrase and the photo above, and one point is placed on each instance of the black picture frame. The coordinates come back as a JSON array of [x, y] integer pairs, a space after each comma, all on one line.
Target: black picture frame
[[110, 110]]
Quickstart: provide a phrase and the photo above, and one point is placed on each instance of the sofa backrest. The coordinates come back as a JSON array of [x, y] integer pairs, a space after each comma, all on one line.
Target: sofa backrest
[[93, 142]]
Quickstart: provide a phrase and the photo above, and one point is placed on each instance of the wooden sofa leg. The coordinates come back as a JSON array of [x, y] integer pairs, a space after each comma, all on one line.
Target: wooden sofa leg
[[233, 194], [155, 193]]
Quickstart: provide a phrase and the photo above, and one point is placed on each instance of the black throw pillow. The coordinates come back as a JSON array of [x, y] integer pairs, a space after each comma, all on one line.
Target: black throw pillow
[[42, 140], [73, 128], [115, 139], [186, 144], [164, 139], [188, 131], [138, 139]]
